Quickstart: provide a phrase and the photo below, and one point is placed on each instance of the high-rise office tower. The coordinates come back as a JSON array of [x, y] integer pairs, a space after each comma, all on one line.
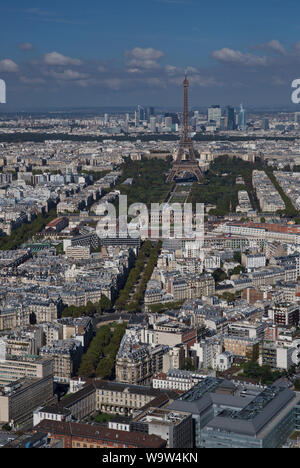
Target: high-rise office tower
[[153, 124], [126, 125], [265, 124], [231, 123], [149, 113], [168, 122], [139, 115], [214, 114], [223, 123], [242, 122], [175, 119]]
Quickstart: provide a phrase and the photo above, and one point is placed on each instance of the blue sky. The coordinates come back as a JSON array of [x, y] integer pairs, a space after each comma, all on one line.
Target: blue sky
[[125, 52]]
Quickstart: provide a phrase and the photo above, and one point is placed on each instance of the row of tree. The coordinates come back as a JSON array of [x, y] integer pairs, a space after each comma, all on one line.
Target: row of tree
[[25, 232], [138, 297], [290, 210], [262, 374], [149, 181], [156, 308], [89, 310], [220, 188], [132, 294], [99, 360]]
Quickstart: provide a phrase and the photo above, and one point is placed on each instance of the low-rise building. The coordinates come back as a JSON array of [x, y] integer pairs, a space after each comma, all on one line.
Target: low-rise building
[[19, 399], [175, 427], [79, 435], [66, 356]]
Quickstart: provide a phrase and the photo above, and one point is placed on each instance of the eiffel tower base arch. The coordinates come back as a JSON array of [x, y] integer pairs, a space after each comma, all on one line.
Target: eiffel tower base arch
[[181, 168]]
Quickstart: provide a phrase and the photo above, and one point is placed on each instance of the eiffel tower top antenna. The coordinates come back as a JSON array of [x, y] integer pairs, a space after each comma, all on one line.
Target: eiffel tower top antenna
[[186, 115]]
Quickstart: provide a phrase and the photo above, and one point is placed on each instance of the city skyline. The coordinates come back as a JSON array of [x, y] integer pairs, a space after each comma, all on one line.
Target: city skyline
[[53, 57]]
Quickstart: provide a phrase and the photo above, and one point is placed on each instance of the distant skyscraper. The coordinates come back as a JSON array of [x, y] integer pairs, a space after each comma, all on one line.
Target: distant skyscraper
[[139, 115], [265, 124], [126, 126], [223, 123], [153, 124], [175, 119], [106, 119], [231, 123], [149, 113], [297, 117], [214, 114], [168, 122], [242, 122]]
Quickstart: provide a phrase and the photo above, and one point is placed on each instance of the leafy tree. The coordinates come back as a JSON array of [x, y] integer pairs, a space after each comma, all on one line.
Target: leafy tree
[[237, 257], [297, 385], [219, 275], [105, 368], [87, 368], [189, 364], [237, 270], [103, 349], [105, 303]]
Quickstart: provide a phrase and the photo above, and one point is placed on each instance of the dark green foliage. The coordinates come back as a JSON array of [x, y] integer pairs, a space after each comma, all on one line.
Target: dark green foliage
[[6, 427], [237, 257], [96, 174], [290, 210], [90, 309], [103, 418], [237, 270], [131, 296], [104, 368], [149, 181], [220, 189], [297, 385], [40, 137], [105, 303], [100, 358], [189, 365], [219, 275], [262, 374], [27, 231], [156, 308]]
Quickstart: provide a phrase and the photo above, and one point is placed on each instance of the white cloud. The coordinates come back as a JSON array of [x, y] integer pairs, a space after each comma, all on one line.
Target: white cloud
[[191, 70], [31, 81], [66, 75], [156, 82], [276, 46], [113, 83], [172, 70], [25, 46], [145, 54], [226, 55], [296, 46], [202, 81], [133, 70], [272, 46], [8, 66], [54, 58], [144, 58]]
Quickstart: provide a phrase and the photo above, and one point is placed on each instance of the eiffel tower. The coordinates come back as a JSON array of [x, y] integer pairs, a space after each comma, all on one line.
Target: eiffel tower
[[186, 160]]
